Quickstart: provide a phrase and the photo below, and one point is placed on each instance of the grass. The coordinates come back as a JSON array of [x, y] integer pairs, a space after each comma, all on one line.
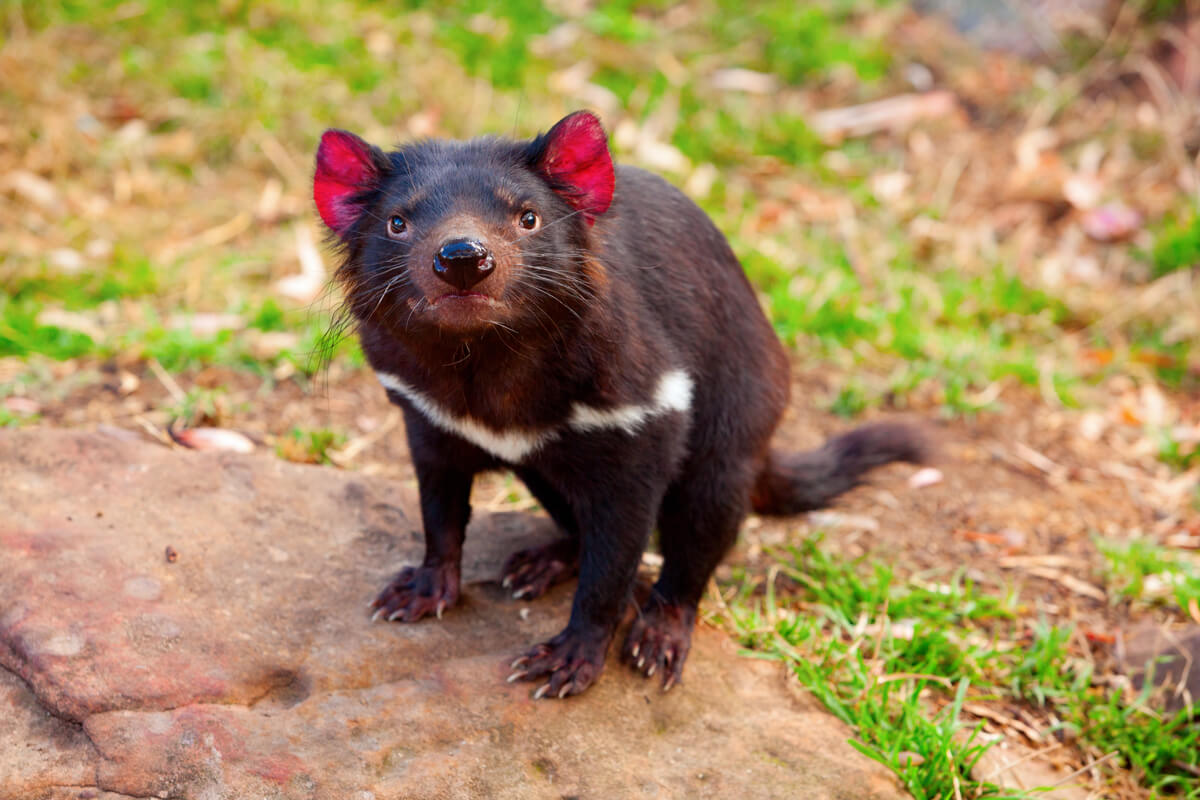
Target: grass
[[1142, 570], [309, 446], [1177, 245], [961, 332], [8, 419], [202, 406], [897, 660], [1181, 455]]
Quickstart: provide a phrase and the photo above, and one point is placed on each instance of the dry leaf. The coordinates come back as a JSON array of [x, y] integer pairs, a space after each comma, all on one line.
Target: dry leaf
[[71, 321], [206, 323], [1002, 719], [306, 286], [1083, 191], [33, 188], [744, 80], [1070, 582], [22, 406]]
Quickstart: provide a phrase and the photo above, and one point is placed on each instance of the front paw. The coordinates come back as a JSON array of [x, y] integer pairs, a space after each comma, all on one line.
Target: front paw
[[531, 573], [417, 591], [659, 640], [572, 661]]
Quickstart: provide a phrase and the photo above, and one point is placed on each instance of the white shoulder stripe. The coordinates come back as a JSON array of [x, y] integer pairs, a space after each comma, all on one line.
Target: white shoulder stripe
[[511, 445], [673, 393]]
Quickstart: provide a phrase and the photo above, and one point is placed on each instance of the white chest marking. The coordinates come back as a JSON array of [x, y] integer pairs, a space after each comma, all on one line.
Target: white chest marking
[[673, 393]]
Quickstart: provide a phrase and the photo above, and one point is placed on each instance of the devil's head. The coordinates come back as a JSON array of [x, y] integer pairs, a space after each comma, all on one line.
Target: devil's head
[[467, 237]]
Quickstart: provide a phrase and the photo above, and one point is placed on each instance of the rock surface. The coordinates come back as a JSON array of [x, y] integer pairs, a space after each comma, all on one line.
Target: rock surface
[[247, 668], [1167, 655]]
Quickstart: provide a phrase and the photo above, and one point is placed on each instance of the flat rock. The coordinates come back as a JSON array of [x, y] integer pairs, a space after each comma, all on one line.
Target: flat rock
[[246, 665], [1166, 656]]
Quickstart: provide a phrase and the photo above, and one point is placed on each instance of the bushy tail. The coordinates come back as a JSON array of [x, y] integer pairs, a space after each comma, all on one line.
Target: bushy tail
[[795, 482]]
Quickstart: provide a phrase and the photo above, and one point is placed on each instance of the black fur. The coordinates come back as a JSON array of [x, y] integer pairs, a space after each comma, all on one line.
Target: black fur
[[797, 482], [580, 313]]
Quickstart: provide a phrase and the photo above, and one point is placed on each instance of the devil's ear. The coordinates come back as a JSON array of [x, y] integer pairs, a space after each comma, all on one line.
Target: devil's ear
[[346, 166], [573, 156]]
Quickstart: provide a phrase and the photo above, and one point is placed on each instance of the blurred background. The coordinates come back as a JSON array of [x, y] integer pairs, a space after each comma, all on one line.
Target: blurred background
[[1012, 208], [981, 212]]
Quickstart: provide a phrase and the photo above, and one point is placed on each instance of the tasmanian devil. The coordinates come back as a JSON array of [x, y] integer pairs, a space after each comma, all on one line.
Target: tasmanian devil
[[531, 307]]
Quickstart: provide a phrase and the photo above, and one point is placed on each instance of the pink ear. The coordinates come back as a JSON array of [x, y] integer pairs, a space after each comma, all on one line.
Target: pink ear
[[345, 166], [574, 155]]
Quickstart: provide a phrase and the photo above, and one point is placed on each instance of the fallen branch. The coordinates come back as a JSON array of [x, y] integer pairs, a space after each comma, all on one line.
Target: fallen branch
[[894, 113]]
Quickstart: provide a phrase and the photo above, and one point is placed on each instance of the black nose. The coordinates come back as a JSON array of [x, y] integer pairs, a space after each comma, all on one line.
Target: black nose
[[463, 263]]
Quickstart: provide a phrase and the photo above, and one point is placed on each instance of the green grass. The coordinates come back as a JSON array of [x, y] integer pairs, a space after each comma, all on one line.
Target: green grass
[[202, 406], [1160, 9], [961, 331], [897, 659], [10, 420], [1180, 455], [799, 42], [309, 446], [1176, 245], [1142, 570], [21, 334]]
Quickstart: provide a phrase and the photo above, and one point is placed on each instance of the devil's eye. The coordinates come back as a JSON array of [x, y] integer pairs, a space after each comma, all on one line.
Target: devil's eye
[[528, 220], [396, 225]]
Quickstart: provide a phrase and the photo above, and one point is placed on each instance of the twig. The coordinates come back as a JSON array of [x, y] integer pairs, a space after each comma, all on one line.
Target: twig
[[1036, 754], [883, 615], [1084, 769], [954, 776], [1067, 581], [343, 456], [916, 676], [1049, 560], [1036, 459], [891, 113], [154, 431], [164, 377]]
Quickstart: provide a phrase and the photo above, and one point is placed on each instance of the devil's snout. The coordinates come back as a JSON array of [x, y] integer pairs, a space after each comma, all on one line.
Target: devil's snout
[[462, 263]]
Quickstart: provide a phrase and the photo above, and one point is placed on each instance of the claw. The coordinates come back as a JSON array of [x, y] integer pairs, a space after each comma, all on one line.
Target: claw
[[395, 615], [651, 671], [636, 649], [441, 607], [641, 662], [519, 593], [668, 683], [519, 662], [563, 692], [375, 616], [516, 676], [541, 692], [507, 582]]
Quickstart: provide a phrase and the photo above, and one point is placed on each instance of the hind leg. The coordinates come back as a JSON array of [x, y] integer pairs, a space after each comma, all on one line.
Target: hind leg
[[698, 523], [530, 573]]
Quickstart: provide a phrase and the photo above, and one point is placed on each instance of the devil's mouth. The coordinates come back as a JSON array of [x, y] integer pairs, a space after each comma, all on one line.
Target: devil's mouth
[[461, 297]]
